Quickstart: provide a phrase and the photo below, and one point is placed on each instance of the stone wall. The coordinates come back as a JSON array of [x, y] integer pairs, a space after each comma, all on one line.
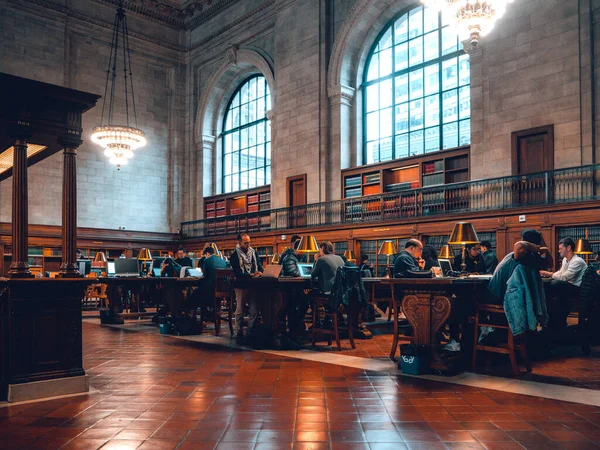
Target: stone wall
[[69, 46]]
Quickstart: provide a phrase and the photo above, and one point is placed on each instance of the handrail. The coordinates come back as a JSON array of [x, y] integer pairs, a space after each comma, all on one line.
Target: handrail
[[568, 185]]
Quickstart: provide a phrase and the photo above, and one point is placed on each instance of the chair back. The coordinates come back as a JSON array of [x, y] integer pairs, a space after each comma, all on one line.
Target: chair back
[[224, 279]]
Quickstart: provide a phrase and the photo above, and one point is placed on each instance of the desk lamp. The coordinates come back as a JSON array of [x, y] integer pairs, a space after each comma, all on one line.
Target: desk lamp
[[99, 260], [144, 256], [276, 258], [388, 249], [216, 249], [446, 253], [583, 247], [463, 234], [308, 244], [350, 256]]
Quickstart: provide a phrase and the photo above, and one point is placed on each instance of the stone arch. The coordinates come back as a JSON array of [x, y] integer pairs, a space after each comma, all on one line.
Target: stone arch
[[237, 65], [365, 21]]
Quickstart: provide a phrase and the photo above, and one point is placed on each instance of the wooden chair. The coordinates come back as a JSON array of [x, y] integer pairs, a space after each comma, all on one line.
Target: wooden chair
[[95, 293], [505, 349], [397, 309], [318, 302], [224, 299]]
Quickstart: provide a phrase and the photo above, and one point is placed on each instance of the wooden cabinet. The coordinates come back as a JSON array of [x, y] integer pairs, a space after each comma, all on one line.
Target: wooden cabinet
[[243, 202]]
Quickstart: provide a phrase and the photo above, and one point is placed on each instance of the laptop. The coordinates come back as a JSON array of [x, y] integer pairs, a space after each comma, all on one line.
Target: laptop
[[156, 272], [272, 270], [126, 268], [445, 265], [110, 268], [196, 273], [305, 270]]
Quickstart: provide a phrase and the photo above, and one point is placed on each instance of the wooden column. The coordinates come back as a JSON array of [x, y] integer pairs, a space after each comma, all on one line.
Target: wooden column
[[69, 267], [19, 267]]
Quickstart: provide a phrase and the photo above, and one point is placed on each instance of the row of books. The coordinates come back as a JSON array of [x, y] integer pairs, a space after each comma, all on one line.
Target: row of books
[[434, 166], [372, 178], [353, 181]]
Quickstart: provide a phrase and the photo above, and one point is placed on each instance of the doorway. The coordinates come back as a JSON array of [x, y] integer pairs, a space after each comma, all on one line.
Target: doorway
[[296, 200]]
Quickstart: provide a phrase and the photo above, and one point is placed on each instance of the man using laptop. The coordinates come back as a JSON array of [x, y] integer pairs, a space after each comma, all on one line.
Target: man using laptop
[[205, 293]]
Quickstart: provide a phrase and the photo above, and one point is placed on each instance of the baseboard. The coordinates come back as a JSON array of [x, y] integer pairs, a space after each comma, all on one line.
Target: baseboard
[[49, 388]]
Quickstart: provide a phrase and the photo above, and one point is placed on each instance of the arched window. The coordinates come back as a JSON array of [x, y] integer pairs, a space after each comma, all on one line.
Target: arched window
[[416, 89], [247, 137]]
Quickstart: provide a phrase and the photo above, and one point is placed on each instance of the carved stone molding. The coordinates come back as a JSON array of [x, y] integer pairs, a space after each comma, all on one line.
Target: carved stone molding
[[342, 95]]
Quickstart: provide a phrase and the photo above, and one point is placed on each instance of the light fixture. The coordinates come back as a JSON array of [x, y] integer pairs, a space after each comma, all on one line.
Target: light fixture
[[463, 234], [276, 258], [119, 140], [446, 253], [216, 249], [471, 18], [388, 249], [99, 260], [583, 247], [350, 256], [144, 255], [308, 244]]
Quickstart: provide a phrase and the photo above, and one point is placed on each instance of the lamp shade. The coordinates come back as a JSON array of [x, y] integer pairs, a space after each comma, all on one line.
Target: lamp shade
[[144, 255], [387, 248], [350, 256], [216, 249], [276, 258], [446, 253], [100, 258], [462, 234], [583, 247], [308, 244]]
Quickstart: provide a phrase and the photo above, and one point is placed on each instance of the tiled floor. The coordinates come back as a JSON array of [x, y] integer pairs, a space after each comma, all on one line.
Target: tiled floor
[[161, 393]]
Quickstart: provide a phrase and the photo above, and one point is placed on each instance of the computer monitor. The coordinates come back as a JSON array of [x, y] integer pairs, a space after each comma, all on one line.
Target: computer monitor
[[445, 265], [305, 270], [157, 262], [110, 268], [85, 266], [126, 266]]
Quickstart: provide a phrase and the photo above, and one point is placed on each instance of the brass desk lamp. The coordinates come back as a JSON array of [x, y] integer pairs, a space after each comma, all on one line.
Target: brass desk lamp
[[463, 234], [388, 249]]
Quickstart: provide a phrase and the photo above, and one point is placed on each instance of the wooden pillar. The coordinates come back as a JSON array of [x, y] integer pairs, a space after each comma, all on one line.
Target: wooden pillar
[[69, 267], [19, 267]]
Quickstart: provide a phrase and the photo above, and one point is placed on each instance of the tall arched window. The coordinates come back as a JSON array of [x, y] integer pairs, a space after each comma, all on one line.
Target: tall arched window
[[247, 137], [416, 89]]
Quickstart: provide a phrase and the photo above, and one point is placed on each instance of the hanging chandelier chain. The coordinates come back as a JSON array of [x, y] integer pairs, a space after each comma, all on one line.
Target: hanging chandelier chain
[[114, 36], [125, 52], [130, 71]]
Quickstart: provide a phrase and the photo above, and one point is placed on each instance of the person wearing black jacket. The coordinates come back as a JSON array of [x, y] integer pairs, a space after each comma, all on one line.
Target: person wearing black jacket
[[297, 305], [489, 257], [289, 262], [245, 264], [409, 263], [473, 259]]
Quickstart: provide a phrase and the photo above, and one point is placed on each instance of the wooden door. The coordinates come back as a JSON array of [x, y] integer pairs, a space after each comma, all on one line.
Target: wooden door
[[296, 200], [533, 153]]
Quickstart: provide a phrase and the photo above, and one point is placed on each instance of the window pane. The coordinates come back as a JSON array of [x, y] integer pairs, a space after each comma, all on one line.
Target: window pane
[[244, 94], [386, 40], [386, 94], [451, 135], [402, 118], [227, 147], [252, 135], [416, 84], [432, 140], [229, 121], [236, 100], [449, 41], [450, 106], [244, 114], [402, 146], [372, 97], [415, 22], [416, 143], [431, 46], [416, 115], [373, 72], [432, 79], [227, 183], [373, 126], [464, 95], [268, 153], [401, 56], [385, 149], [228, 164], [235, 162], [260, 133], [432, 111], [261, 87], [385, 120], [401, 29], [252, 158], [372, 151], [449, 74], [431, 20], [385, 62], [465, 132], [464, 70], [402, 89], [244, 137], [236, 117], [235, 141], [235, 183], [251, 112], [415, 51]]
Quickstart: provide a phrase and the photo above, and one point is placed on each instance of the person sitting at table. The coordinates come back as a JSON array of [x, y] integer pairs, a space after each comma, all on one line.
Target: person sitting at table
[[204, 294], [182, 260], [473, 260], [431, 257], [489, 257], [289, 260], [297, 307], [170, 268], [408, 263], [326, 267], [365, 266], [245, 264], [347, 262], [564, 288], [517, 285]]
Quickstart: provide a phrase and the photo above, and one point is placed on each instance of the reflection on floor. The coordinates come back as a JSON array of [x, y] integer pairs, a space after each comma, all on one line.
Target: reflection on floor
[[158, 392]]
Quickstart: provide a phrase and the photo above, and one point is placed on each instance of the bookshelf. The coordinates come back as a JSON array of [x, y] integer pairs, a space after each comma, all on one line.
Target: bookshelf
[[238, 203], [444, 167]]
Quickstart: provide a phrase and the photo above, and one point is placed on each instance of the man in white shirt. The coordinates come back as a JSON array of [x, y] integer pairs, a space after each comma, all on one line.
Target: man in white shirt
[[564, 288]]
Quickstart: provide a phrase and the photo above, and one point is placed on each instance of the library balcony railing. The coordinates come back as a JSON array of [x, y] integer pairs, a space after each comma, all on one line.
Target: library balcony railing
[[573, 185]]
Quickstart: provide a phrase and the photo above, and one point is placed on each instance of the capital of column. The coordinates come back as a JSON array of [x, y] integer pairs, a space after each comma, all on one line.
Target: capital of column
[[474, 51], [342, 95], [208, 141]]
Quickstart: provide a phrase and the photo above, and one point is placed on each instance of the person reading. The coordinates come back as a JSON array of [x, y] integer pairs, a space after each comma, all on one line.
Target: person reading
[[473, 259], [489, 257], [408, 263]]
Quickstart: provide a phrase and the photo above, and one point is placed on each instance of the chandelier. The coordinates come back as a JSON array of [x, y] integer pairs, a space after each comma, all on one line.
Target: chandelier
[[472, 18], [118, 140]]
